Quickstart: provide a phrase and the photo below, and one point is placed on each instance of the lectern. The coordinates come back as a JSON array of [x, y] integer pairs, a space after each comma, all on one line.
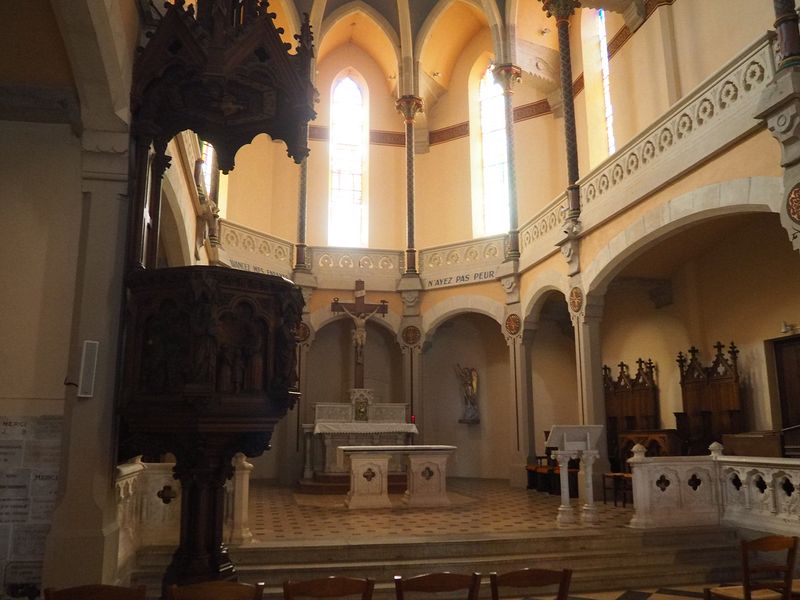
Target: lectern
[[575, 441]]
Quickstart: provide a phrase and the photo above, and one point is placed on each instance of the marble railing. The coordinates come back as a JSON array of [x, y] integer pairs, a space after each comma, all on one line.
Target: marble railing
[[338, 268], [250, 250], [145, 520], [741, 491], [706, 121], [459, 264], [702, 124]]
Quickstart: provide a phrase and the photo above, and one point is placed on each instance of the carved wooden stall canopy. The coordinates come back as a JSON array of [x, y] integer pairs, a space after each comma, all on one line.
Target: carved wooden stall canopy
[[712, 398], [631, 405]]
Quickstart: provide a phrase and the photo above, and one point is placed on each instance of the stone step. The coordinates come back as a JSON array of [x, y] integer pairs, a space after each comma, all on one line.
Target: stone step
[[600, 559]]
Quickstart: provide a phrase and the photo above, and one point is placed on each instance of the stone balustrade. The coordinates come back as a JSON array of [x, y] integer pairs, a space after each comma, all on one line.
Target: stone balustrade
[[705, 122], [740, 491], [146, 520]]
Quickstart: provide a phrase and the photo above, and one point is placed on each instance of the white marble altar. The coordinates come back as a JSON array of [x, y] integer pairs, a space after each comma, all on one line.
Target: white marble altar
[[426, 474], [575, 441], [358, 423]]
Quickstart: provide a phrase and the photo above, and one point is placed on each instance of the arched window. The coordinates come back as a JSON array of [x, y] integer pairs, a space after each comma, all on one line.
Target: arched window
[[493, 215], [604, 72], [348, 222]]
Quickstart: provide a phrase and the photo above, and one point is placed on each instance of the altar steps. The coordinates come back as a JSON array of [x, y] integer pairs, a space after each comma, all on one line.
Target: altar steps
[[340, 484], [614, 559]]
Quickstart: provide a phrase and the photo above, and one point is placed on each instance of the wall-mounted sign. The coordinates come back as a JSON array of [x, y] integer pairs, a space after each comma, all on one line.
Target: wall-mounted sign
[[462, 278]]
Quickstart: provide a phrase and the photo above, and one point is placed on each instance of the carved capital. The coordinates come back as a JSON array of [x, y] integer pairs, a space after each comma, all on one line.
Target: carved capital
[[507, 75], [781, 111], [560, 9], [408, 106], [570, 247]]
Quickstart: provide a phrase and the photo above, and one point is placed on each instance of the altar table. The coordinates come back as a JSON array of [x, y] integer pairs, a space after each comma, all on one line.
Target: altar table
[[426, 474]]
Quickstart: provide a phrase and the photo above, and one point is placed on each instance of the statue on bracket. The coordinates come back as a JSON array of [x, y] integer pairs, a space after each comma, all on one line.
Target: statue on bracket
[[469, 381]]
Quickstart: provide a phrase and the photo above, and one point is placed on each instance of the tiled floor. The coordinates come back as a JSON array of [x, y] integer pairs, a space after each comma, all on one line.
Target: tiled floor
[[479, 506], [488, 507]]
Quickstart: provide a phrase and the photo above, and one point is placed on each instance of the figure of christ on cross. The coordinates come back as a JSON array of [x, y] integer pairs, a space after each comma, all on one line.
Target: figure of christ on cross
[[360, 312]]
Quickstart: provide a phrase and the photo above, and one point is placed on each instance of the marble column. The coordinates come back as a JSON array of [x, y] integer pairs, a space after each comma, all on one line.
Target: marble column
[[240, 528], [85, 518], [300, 262], [507, 75], [786, 24], [566, 514], [588, 510], [409, 105], [562, 10]]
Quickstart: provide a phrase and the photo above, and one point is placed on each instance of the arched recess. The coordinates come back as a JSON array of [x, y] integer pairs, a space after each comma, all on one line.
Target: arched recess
[[469, 340], [536, 291], [461, 304], [550, 352], [750, 194], [384, 49], [691, 273], [331, 360]]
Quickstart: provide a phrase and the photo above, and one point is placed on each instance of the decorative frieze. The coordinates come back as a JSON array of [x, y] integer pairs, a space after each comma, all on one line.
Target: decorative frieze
[[460, 264], [336, 268], [706, 121], [249, 250]]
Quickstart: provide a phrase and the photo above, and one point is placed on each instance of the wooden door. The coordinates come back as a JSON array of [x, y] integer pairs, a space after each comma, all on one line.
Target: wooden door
[[787, 361]]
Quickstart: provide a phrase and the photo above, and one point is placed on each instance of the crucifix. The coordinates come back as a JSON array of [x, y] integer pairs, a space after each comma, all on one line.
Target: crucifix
[[360, 311]]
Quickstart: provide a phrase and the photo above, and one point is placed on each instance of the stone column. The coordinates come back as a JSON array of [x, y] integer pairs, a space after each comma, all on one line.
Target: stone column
[[562, 10], [409, 105], [586, 315], [411, 347], [512, 330], [240, 529], [507, 75], [300, 263], [81, 547], [588, 510], [786, 24], [308, 466], [565, 513]]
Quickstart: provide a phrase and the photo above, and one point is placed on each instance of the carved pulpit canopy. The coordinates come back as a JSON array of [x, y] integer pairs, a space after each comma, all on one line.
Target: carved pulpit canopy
[[224, 73]]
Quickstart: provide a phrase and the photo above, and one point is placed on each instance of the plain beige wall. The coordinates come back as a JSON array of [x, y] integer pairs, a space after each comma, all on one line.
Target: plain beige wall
[[484, 449], [553, 380], [40, 166]]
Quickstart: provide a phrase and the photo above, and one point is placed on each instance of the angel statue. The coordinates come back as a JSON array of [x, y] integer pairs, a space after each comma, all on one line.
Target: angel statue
[[469, 380]]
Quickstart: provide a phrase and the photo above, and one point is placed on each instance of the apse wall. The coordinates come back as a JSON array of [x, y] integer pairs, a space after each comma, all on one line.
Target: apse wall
[[484, 449], [40, 167]]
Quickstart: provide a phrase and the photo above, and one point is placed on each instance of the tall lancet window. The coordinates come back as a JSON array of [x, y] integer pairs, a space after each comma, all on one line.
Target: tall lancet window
[[601, 32], [348, 223], [494, 160]]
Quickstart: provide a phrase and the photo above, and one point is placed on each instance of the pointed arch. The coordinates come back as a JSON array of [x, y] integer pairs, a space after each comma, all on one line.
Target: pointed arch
[[359, 6]]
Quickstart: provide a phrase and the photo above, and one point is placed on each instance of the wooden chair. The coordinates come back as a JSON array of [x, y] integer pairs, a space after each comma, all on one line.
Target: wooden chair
[[329, 587], [96, 592], [531, 578], [432, 583], [758, 578], [216, 590]]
